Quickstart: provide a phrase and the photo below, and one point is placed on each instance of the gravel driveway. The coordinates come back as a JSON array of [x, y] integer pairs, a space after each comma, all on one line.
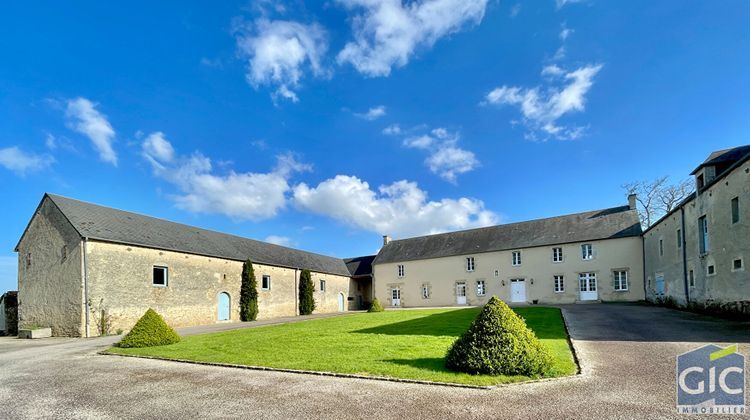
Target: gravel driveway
[[627, 353]]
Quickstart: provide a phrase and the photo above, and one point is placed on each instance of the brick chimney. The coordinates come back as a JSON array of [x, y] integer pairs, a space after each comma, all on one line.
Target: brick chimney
[[631, 201], [386, 239]]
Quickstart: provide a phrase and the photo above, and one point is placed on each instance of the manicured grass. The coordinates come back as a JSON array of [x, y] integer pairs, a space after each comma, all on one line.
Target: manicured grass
[[408, 344]]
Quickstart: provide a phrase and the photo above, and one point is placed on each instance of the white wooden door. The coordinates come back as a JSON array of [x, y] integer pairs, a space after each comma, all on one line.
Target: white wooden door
[[517, 290], [396, 296], [460, 293], [587, 286]]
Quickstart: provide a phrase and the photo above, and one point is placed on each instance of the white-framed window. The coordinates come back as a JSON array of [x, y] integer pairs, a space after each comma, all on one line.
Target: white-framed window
[[621, 280], [265, 283], [469, 263], [497, 273], [481, 288], [160, 276], [559, 283], [661, 247], [401, 270], [587, 282], [322, 285], [557, 255], [703, 235], [691, 278], [587, 251], [425, 291], [516, 258]]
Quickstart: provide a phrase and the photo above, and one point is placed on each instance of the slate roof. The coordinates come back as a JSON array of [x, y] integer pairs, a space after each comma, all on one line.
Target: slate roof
[[616, 222], [107, 224], [360, 266]]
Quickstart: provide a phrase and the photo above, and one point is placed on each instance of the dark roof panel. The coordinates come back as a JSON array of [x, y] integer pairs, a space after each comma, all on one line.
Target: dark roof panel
[[112, 225], [360, 266], [724, 157], [617, 222]]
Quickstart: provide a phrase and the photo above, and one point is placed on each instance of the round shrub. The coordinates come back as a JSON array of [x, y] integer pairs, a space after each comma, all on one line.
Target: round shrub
[[150, 331], [376, 306], [498, 342]]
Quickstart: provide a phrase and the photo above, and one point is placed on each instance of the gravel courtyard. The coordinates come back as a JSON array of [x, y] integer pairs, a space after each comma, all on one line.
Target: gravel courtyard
[[627, 352]]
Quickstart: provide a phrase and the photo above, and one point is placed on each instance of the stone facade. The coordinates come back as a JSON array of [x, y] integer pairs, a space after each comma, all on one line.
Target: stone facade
[[443, 275], [50, 287], [703, 278]]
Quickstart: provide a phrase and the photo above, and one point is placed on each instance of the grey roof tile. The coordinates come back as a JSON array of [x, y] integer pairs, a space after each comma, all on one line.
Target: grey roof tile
[[360, 266], [617, 222], [112, 225]]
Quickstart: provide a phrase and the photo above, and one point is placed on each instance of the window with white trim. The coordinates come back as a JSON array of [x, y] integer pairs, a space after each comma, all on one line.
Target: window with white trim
[[559, 283], [557, 255], [160, 276], [401, 270], [322, 285], [516, 259], [621, 280], [481, 288], [265, 283], [587, 251], [469, 263]]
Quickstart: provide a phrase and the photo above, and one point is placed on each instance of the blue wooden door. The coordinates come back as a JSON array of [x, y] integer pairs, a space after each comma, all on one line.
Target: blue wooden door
[[224, 307]]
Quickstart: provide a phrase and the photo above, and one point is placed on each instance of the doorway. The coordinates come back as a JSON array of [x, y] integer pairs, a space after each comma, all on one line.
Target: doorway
[[224, 306], [518, 290], [587, 286], [461, 293]]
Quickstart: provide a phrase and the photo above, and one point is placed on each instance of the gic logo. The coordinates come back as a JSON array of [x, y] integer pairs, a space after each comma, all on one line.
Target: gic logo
[[711, 380]]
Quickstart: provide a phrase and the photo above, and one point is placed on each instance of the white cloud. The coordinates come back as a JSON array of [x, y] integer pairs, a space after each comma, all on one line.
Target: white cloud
[[84, 118], [400, 209], [279, 240], [392, 130], [561, 3], [446, 159], [239, 195], [16, 160], [387, 32], [515, 10], [157, 149], [542, 108], [279, 52], [372, 114], [553, 70], [565, 32]]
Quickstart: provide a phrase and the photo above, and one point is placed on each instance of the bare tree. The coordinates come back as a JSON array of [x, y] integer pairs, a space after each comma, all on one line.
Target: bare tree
[[658, 197]]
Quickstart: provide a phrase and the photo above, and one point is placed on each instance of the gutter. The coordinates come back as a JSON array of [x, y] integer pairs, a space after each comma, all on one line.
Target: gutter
[[684, 256]]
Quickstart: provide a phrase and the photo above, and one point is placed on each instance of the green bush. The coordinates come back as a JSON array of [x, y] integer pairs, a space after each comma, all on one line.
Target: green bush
[[248, 293], [376, 306], [498, 342], [150, 331], [306, 289]]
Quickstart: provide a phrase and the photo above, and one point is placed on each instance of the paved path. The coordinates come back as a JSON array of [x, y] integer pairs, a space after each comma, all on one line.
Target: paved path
[[627, 352]]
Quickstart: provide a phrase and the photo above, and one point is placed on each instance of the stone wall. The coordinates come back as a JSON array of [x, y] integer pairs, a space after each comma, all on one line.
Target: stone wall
[[50, 289], [120, 283]]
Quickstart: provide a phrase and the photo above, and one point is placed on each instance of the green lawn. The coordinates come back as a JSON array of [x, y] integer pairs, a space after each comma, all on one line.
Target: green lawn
[[406, 344]]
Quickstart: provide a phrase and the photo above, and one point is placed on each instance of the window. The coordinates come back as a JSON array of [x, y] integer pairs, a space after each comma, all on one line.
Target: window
[[265, 282], [160, 278], [322, 285], [559, 284], [516, 258], [737, 264], [587, 251], [497, 273], [661, 247], [587, 282], [425, 291], [401, 271], [28, 260], [735, 210], [557, 255], [64, 253], [621, 280], [703, 235], [470, 264], [481, 289], [700, 181], [691, 278], [679, 238], [711, 270]]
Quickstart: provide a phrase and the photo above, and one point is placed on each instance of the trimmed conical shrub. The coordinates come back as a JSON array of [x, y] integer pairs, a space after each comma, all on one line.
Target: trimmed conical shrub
[[376, 306], [498, 342], [150, 331]]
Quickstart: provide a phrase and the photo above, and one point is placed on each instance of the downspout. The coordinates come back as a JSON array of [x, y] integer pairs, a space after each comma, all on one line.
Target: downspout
[[684, 256], [85, 287]]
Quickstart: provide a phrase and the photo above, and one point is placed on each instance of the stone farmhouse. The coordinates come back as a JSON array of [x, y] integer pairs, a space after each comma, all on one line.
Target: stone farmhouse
[[84, 269]]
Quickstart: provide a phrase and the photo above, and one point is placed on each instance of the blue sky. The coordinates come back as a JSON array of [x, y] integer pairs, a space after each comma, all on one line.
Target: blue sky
[[323, 125]]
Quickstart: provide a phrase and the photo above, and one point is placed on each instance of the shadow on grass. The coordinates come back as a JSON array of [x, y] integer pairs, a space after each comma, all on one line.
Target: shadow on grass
[[444, 324], [433, 364]]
